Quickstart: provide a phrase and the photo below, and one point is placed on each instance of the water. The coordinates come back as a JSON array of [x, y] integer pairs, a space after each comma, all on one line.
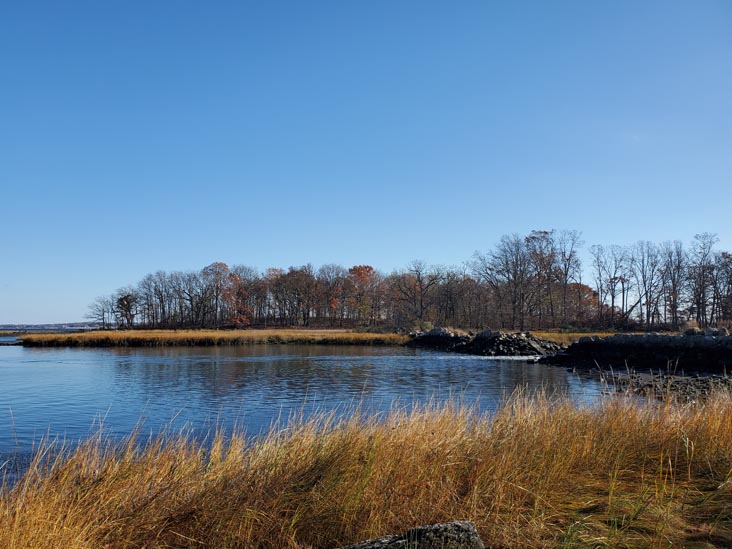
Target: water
[[67, 393]]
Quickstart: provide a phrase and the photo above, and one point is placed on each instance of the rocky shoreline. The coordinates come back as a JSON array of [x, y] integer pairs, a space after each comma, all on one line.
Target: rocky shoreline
[[708, 353], [686, 367], [486, 343], [664, 385]]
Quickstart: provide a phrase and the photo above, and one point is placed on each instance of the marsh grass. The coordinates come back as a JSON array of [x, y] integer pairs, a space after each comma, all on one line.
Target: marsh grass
[[567, 338], [540, 472], [158, 338]]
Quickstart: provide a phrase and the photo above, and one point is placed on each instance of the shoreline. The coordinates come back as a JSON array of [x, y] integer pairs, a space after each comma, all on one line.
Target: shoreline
[[210, 338], [540, 472], [651, 373]]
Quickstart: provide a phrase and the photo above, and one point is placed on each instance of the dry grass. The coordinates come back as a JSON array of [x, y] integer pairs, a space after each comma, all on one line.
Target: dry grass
[[567, 338], [157, 338], [540, 473]]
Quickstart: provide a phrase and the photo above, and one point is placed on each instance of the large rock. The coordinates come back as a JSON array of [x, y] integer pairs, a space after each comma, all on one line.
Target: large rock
[[439, 339], [450, 535]]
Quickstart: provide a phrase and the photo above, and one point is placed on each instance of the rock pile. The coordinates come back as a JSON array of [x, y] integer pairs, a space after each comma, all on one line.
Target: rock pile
[[438, 339], [490, 343], [487, 343], [450, 535], [689, 353]]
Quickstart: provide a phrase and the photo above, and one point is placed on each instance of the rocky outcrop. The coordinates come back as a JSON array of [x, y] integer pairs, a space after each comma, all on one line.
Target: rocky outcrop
[[449, 535], [487, 343], [438, 339], [689, 353]]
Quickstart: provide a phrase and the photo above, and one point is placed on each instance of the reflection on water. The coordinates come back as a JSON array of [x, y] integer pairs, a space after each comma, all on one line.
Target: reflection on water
[[66, 392]]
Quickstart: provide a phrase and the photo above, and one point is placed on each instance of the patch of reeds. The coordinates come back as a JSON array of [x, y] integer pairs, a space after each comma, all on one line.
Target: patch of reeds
[[158, 338], [540, 472]]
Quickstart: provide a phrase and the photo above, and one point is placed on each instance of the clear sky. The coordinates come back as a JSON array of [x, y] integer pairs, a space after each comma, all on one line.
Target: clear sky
[[146, 135]]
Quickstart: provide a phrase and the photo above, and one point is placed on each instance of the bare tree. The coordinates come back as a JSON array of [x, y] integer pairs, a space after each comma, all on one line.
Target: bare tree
[[674, 269], [569, 265], [701, 266], [102, 310], [508, 270], [646, 263], [542, 251], [414, 288], [599, 270], [615, 280]]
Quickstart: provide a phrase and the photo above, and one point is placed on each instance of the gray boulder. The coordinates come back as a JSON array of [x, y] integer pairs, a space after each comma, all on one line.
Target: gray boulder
[[450, 535], [440, 339], [439, 332]]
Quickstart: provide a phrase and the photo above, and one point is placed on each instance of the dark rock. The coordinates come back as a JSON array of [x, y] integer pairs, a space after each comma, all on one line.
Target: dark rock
[[449, 535], [439, 339]]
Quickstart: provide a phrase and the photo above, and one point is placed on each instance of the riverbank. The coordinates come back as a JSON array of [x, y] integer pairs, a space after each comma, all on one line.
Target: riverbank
[[205, 338], [567, 338], [539, 473], [695, 353]]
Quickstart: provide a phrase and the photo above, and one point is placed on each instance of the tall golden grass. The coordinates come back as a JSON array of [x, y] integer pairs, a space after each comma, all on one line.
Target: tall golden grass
[[539, 473], [157, 338], [567, 338]]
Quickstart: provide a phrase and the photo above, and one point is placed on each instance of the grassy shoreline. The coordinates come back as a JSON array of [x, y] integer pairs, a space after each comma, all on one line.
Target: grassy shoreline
[[307, 336], [567, 338], [160, 338], [538, 473]]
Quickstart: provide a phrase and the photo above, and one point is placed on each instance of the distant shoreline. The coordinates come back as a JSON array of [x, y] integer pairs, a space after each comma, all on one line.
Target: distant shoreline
[[210, 338]]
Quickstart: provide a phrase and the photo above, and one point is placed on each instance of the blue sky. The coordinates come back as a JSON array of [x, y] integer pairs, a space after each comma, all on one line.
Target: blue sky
[[137, 136]]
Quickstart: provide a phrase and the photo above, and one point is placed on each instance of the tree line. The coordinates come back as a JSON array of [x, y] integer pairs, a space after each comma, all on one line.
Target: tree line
[[535, 281]]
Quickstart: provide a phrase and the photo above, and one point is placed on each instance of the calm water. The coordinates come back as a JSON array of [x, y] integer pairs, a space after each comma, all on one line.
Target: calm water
[[66, 393]]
